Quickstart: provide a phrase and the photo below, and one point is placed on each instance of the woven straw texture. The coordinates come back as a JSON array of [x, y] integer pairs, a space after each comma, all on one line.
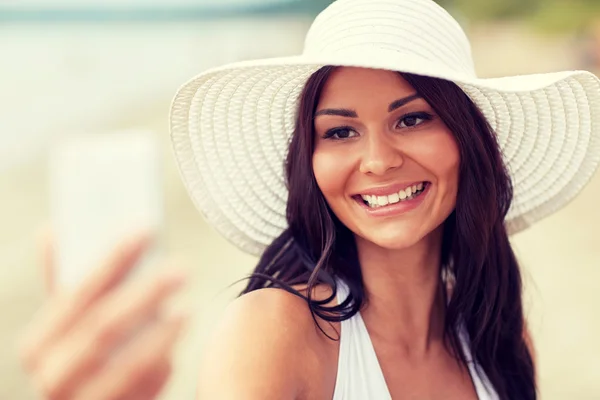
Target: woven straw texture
[[231, 126]]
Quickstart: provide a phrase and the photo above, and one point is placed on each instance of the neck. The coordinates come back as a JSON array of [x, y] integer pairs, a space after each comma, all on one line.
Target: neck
[[405, 302]]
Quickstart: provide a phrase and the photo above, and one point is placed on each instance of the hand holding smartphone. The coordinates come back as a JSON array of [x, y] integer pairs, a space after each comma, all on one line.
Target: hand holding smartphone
[[101, 339]]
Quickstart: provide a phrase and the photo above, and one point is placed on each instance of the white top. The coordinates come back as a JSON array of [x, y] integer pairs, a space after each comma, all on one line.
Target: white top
[[359, 374]]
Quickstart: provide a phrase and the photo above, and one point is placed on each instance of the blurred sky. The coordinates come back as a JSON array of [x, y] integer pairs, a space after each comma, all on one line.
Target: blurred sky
[[40, 10], [20, 4]]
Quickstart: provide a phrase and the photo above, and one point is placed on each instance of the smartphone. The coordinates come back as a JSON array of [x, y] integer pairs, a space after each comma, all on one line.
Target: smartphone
[[103, 187]]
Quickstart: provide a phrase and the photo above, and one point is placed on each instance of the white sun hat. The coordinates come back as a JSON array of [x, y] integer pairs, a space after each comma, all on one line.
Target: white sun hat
[[231, 126]]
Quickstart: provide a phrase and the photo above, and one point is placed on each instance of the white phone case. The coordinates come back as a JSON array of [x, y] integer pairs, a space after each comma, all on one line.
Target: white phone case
[[102, 188]]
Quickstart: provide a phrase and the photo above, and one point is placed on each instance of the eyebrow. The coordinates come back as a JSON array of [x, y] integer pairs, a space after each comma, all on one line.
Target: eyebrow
[[400, 102], [344, 112]]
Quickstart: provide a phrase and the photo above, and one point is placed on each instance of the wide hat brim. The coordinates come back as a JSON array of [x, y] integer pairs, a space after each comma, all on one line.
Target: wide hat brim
[[231, 126]]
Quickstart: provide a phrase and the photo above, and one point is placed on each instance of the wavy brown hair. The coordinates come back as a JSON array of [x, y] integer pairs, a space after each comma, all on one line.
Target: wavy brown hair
[[486, 297]]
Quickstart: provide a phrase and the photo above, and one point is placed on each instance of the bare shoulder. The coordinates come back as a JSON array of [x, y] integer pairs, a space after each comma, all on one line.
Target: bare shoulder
[[266, 346]]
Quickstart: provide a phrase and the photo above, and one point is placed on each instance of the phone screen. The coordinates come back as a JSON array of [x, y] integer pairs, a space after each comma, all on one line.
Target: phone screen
[[103, 187]]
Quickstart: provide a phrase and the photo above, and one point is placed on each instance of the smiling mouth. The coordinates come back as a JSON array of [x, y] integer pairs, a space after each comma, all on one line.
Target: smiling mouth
[[404, 195]]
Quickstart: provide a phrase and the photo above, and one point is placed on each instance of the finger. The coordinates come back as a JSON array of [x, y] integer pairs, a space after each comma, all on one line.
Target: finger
[[117, 316], [59, 315], [153, 383], [45, 244], [114, 268], [122, 376], [106, 326]]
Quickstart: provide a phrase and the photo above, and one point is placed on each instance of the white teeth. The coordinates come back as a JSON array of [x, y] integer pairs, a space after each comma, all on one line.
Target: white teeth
[[407, 194], [382, 200]]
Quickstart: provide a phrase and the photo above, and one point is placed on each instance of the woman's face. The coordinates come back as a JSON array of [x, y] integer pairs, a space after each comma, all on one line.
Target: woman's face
[[385, 162]]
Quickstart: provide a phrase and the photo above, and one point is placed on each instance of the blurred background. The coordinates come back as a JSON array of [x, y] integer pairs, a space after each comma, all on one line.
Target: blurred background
[[91, 66]]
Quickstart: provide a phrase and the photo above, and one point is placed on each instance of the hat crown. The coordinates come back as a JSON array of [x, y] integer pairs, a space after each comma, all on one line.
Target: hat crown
[[418, 29]]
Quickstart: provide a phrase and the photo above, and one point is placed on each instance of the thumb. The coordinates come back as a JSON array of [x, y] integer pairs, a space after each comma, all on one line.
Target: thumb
[[45, 245]]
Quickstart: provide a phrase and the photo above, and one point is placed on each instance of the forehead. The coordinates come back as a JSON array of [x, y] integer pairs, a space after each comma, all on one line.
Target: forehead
[[352, 84]]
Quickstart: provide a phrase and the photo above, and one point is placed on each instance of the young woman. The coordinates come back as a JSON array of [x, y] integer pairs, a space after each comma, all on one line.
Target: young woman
[[379, 179]]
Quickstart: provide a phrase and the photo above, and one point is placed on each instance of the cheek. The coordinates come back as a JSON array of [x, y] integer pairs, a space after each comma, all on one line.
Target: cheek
[[331, 171], [437, 152], [444, 162], [450, 165]]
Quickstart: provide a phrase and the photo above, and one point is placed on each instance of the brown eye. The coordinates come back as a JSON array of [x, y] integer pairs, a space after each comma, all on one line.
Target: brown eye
[[340, 133], [412, 120]]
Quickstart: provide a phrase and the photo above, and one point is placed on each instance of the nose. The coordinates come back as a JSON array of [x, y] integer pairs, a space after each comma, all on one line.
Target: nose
[[380, 156]]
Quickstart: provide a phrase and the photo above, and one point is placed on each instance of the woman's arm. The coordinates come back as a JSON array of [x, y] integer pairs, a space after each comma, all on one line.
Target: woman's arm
[[257, 349]]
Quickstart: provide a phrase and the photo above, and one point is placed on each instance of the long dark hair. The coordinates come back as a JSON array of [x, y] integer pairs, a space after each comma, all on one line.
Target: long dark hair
[[486, 296]]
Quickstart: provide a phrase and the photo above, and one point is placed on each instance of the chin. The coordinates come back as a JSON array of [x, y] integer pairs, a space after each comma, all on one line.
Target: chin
[[393, 240]]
